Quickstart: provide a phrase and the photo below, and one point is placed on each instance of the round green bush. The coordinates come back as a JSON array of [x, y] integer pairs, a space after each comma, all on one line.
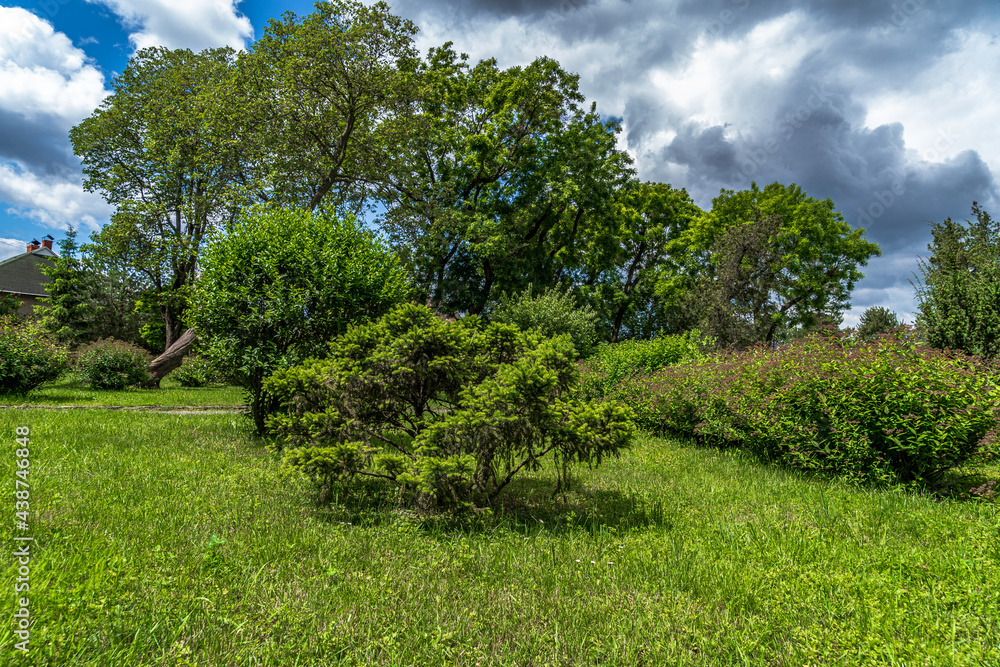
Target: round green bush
[[112, 364], [28, 356], [280, 284], [196, 371], [553, 312]]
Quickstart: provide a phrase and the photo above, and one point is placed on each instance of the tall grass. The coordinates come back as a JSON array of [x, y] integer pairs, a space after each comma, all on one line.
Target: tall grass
[[177, 540]]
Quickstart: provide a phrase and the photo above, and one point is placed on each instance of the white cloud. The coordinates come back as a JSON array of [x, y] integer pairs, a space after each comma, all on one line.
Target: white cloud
[[42, 75], [48, 86], [50, 201], [11, 247], [949, 107], [746, 68], [180, 24]]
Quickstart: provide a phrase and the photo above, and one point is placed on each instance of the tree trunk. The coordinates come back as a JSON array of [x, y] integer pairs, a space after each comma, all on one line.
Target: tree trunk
[[160, 367]]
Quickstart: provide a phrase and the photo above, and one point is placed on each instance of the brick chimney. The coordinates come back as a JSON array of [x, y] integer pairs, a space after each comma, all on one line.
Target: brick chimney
[[33, 245], [47, 241]]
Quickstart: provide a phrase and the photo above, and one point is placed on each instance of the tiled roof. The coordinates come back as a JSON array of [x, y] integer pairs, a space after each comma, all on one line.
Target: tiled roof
[[22, 274]]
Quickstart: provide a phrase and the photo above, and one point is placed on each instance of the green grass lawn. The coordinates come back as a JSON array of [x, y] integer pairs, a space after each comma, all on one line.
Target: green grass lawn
[[165, 539], [70, 391]]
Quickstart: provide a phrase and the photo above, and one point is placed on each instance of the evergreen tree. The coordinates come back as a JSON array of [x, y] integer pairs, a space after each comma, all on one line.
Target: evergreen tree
[[70, 310], [877, 320], [959, 295]]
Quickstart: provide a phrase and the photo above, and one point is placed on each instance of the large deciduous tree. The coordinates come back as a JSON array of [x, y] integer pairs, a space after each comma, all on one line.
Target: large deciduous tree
[[156, 150], [502, 180], [318, 95], [765, 261], [959, 296], [624, 265]]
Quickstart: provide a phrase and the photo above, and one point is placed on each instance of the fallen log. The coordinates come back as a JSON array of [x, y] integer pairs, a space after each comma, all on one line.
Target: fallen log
[[171, 358]]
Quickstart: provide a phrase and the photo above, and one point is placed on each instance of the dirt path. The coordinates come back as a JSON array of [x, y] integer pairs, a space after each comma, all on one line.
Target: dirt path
[[171, 409]]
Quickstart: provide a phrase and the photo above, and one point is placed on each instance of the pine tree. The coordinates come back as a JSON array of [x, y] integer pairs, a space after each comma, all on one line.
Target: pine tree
[[70, 310], [959, 295]]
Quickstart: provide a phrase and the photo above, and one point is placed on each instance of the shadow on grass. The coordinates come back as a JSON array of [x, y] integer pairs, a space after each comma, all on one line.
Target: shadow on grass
[[526, 507]]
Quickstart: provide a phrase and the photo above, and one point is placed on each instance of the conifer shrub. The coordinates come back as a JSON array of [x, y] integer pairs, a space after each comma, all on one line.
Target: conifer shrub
[[28, 355], [449, 411], [890, 411], [112, 364]]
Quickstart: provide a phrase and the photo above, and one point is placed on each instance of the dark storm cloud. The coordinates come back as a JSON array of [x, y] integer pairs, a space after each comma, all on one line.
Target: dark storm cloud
[[41, 147]]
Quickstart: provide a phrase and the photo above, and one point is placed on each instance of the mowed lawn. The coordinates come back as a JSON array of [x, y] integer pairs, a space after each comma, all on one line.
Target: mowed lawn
[[71, 391], [175, 539]]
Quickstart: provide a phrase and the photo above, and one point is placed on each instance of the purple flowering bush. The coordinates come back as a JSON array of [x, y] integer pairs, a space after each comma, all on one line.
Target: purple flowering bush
[[890, 410]]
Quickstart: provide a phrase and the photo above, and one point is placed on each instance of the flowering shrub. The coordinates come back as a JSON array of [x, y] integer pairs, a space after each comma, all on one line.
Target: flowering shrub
[[889, 411], [449, 411], [112, 364], [28, 356]]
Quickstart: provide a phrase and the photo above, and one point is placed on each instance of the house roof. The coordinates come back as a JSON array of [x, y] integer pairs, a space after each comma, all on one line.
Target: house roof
[[22, 274]]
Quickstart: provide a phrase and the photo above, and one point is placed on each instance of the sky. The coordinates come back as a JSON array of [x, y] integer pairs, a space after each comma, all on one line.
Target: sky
[[888, 107]]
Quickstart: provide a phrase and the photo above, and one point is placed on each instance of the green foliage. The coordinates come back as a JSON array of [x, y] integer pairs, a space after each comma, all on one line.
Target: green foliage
[[876, 321], [28, 355], [322, 101], [112, 364], [280, 285], [554, 312], [615, 363], [161, 151], [627, 263], [449, 411], [763, 261], [9, 305], [959, 296], [886, 411], [196, 371], [505, 180]]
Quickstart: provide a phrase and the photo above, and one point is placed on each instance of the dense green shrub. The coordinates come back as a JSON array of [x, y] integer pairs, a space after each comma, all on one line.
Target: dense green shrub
[[28, 356], [554, 312], [112, 364], [280, 285], [448, 410], [197, 371], [9, 305], [614, 363], [888, 411]]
